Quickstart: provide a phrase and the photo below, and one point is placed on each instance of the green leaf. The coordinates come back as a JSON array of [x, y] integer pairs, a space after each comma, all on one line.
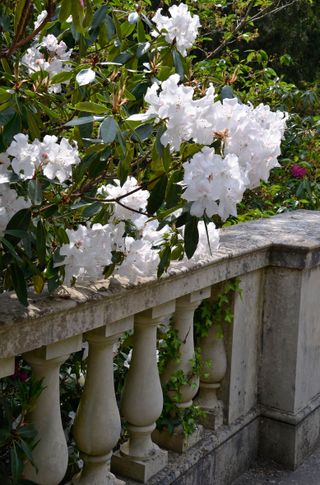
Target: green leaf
[[11, 129], [41, 235], [61, 77], [191, 237], [33, 124], [19, 284], [35, 191], [157, 195], [19, 6], [90, 107], [92, 209], [65, 10], [173, 191], [21, 221], [16, 465], [109, 129], [77, 12], [140, 31], [84, 120], [142, 133], [99, 16], [165, 257], [227, 92], [178, 63], [11, 249]]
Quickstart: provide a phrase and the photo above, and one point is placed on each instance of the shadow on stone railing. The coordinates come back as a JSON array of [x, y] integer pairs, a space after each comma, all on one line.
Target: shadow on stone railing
[[261, 395]]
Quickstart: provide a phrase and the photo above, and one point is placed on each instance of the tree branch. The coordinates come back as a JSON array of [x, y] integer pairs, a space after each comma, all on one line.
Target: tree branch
[[19, 43]]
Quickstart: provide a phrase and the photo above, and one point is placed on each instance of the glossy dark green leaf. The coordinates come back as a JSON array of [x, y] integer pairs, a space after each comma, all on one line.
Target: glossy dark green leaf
[[109, 129], [165, 257], [173, 192], [21, 221], [178, 63], [65, 10], [90, 107], [62, 77], [227, 92], [11, 128], [35, 191], [157, 195], [191, 237], [92, 209], [19, 283], [142, 133], [99, 16], [41, 238]]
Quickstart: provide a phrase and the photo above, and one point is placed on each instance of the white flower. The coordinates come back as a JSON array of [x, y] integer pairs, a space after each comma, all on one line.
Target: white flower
[[181, 27], [25, 156], [40, 18], [57, 158], [173, 105], [85, 76], [89, 250], [4, 165], [137, 201], [213, 184], [133, 17], [10, 203], [52, 62], [54, 158]]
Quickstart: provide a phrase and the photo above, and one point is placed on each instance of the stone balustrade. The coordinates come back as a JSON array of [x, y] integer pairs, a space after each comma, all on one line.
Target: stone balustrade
[[261, 393]]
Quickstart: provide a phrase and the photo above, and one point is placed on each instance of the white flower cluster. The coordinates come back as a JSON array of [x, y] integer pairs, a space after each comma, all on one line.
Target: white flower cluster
[[54, 158], [48, 55], [90, 248], [10, 203], [251, 143], [181, 27]]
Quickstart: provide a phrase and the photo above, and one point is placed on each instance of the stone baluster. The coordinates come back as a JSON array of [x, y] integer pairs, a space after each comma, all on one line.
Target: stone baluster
[[6, 366], [51, 453], [97, 425], [183, 323], [214, 358], [142, 400]]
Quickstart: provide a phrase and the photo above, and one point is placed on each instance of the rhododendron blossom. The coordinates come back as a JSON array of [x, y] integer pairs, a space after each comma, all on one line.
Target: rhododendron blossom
[[54, 158], [181, 27]]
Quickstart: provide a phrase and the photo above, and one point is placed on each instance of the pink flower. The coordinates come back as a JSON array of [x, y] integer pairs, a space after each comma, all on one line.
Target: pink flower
[[298, 172]]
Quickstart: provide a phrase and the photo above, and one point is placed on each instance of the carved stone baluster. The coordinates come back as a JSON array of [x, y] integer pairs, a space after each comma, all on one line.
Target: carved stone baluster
[[6, 366], [142, 400], [97, 425], [183, 323], [214, 358], [51, 453]]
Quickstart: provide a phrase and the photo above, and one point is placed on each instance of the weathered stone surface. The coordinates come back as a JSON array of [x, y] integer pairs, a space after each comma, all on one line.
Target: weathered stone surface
[[216, 459], [177, 441], [240, 389], [244, 248], [140, 470]]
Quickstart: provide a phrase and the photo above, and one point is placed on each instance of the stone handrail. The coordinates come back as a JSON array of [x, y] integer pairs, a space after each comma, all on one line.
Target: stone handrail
[[266, 367]]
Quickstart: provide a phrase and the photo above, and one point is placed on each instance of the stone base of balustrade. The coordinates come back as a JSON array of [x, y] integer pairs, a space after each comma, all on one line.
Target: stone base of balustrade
[[177, 441], [289, 438], [213, 418], [217, 459], [139, 470]]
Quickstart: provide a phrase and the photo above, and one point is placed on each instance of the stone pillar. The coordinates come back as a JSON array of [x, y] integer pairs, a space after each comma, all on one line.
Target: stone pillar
[[290, 364], [7, 365], [142, 401], [97, 425], [51, 453], [214, 358], [183, 323]]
